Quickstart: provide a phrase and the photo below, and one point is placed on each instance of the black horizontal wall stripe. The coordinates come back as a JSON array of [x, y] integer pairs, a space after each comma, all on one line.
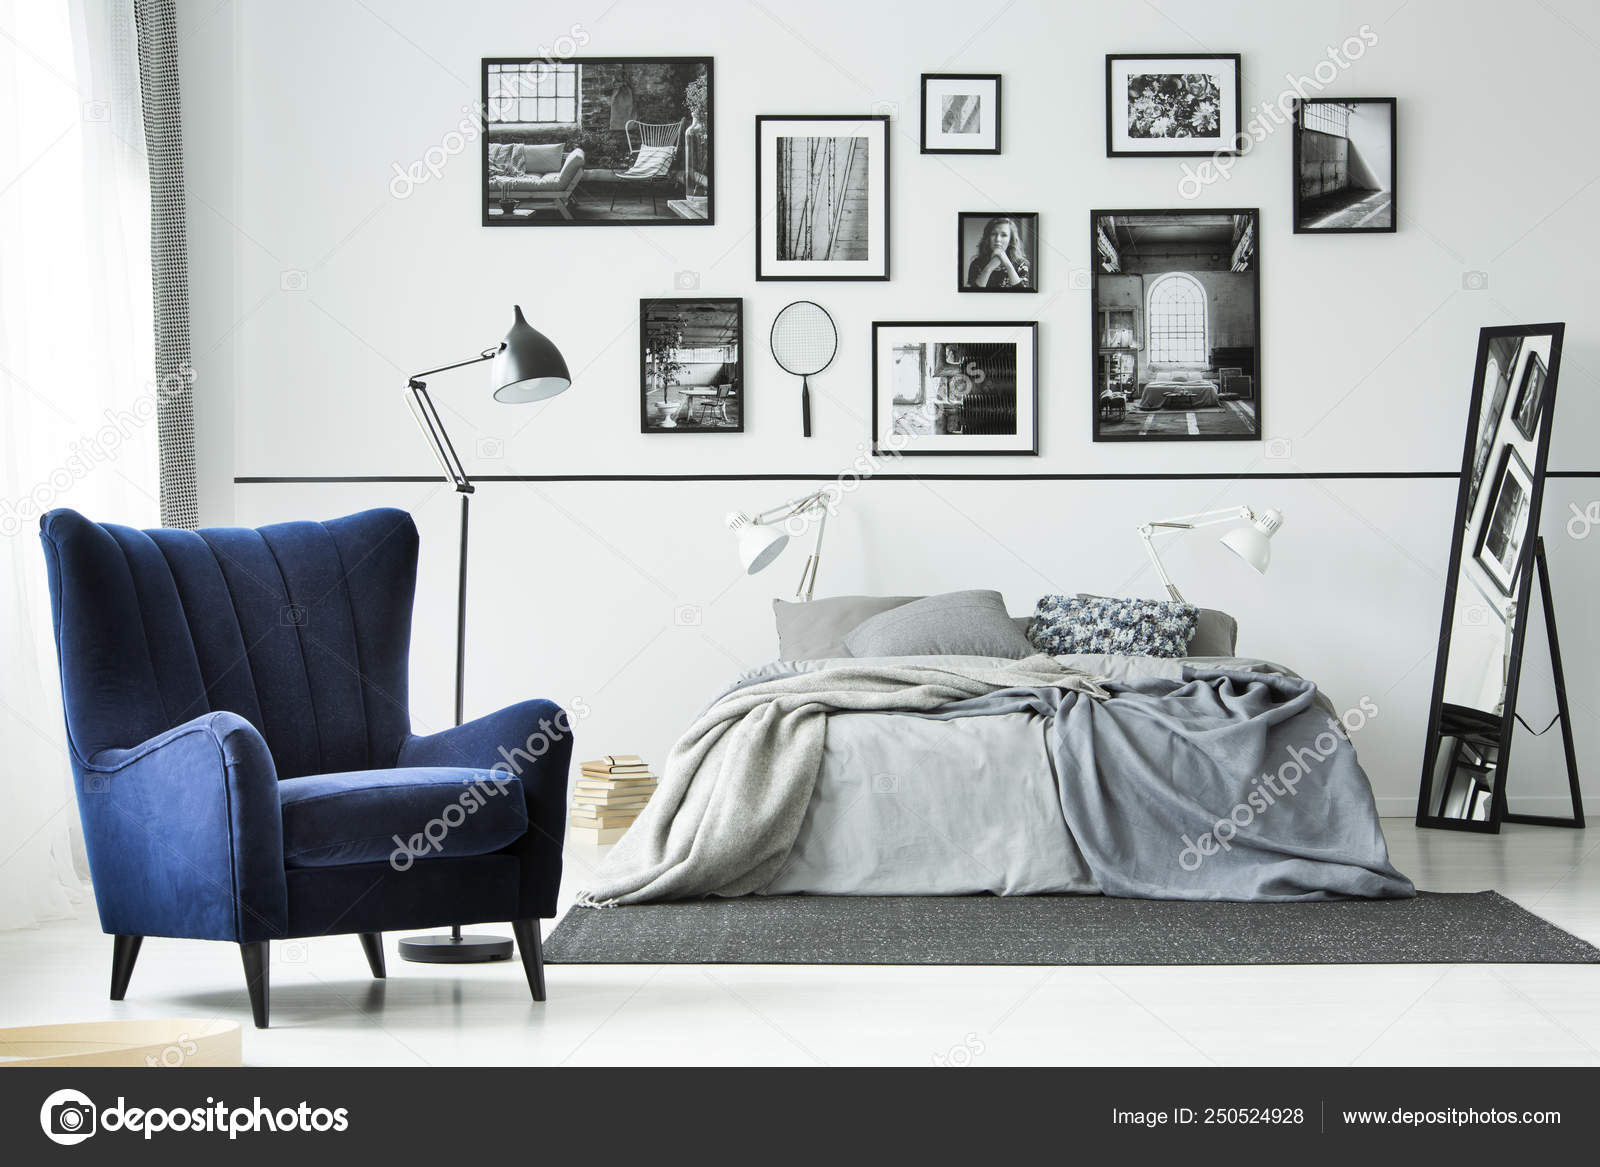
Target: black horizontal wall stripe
[[279, 480]]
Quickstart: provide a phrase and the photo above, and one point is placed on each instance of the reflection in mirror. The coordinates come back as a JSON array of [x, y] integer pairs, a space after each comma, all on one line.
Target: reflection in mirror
[[1495, 528]]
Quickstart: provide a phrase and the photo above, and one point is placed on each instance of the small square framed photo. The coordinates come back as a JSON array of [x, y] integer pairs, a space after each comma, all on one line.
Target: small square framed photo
[[955, 388], [997, 251], [1172, 105], [1344, 166], [961, 113]]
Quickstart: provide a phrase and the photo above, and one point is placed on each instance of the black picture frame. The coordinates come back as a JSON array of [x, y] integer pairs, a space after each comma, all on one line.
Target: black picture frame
[[1439, 711], [1297, 135], [1032, 395], [650, 311], [983, 78], [764, 220], [1026, 223], [1228, 143], [1097, 351], [563, 217], [1512, 469], [1530, 397]]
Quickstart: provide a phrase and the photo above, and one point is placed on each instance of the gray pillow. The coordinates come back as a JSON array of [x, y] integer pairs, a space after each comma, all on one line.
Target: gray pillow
[[1216, 634], [971, 623], [815, 629]]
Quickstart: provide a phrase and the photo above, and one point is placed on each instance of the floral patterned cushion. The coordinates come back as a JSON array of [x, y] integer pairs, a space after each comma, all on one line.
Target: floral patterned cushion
[[1074, 624]]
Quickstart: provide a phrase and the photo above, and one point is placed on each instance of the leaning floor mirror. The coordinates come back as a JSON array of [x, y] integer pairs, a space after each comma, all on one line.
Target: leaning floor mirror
[[1495, 556]]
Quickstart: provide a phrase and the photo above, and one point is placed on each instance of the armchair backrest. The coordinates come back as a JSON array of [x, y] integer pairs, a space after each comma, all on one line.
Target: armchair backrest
[[652, 134], [303, 629]]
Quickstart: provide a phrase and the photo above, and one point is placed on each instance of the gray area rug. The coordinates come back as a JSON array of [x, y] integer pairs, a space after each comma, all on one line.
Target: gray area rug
[[1435, 928]]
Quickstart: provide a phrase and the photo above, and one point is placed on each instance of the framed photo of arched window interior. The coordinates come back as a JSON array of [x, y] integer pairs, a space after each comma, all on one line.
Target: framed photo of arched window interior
[[1176, 341]]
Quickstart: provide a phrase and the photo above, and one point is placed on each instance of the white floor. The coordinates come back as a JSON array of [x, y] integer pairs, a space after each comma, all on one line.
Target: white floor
[[326, 1009]]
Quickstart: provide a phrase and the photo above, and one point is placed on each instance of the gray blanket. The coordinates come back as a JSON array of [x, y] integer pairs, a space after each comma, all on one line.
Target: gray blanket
[[1190, 783], [735, 787]]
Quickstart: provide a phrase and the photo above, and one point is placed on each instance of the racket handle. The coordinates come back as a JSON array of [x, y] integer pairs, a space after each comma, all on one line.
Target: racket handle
[[805, 406]]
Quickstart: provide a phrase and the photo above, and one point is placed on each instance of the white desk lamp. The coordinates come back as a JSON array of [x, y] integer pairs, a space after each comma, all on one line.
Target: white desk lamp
[[1253, 544], [762, 539]]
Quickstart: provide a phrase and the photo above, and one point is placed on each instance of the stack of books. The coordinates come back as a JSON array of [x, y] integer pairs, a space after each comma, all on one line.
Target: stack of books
[[609, 795]]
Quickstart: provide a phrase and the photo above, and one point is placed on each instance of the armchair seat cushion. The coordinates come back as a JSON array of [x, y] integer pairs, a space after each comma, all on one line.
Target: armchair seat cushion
[[400, 816]]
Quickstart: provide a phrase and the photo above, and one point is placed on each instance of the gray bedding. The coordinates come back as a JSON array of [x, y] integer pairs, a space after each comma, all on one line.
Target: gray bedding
[[958, 775]]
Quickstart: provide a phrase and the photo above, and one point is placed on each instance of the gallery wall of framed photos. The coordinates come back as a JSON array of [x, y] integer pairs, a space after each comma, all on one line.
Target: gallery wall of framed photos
[[1364, 339]]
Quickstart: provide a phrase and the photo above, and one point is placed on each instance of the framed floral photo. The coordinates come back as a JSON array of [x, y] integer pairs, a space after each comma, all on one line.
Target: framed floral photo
[[1172, 105]]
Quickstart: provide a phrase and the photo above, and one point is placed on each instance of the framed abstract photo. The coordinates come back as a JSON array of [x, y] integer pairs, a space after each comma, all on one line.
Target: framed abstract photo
[[955, 388], [822, 197], [1345, 166], [997, 251], [1172, 105], [1176, 327], [961, 113], [691, 366], [598, 141]]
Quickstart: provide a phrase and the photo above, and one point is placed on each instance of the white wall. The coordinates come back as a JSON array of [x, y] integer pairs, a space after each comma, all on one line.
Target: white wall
[[297, 112]]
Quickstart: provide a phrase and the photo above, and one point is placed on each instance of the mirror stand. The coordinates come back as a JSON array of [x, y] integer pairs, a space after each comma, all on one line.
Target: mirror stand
[[1542, 568], [1495, 552]]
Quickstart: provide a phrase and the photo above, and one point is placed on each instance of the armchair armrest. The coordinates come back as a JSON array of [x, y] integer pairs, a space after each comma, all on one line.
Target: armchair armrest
[[533, 741], [185, 834]]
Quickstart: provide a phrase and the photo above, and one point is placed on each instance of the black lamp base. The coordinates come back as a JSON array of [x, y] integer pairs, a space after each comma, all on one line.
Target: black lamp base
[[455, 949]]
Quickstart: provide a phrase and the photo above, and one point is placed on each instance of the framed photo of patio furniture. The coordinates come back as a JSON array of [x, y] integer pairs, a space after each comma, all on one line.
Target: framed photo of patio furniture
[[1176, 325], [1172, 105], [691, 365], [955, 388], [822, 197], [997, 251], [598, 141], [1345, 166], [961, 113]]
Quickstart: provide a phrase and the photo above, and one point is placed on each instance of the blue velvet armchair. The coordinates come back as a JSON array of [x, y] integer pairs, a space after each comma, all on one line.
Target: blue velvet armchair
[[236, 706]]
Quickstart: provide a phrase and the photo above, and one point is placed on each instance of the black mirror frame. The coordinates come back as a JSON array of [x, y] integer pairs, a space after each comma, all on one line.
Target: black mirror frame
[[1524, 577]]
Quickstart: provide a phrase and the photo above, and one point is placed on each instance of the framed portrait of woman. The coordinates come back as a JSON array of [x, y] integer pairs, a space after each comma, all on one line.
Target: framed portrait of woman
[[997, 251]]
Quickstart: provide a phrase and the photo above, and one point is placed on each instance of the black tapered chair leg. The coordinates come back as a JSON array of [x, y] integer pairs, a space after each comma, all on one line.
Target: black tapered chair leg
[[124, 951], [372, 945], [532, 949], [257, 969]]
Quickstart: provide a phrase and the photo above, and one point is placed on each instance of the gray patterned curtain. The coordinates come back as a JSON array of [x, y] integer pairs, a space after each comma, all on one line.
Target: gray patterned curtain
[[169, 258]]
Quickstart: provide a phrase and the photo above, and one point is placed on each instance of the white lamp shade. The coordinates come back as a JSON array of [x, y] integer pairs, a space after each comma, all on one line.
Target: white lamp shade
[[758, 545], [1253, 544]]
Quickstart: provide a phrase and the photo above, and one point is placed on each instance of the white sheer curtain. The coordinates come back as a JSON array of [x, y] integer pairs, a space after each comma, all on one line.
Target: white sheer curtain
[[77, 392]]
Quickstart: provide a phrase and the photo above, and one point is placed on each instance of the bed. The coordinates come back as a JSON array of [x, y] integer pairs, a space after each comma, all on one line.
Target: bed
[[961, 772], [1178, 393]]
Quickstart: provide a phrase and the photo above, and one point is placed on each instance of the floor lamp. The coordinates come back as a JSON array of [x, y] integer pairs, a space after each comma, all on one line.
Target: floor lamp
[[527, 367]]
